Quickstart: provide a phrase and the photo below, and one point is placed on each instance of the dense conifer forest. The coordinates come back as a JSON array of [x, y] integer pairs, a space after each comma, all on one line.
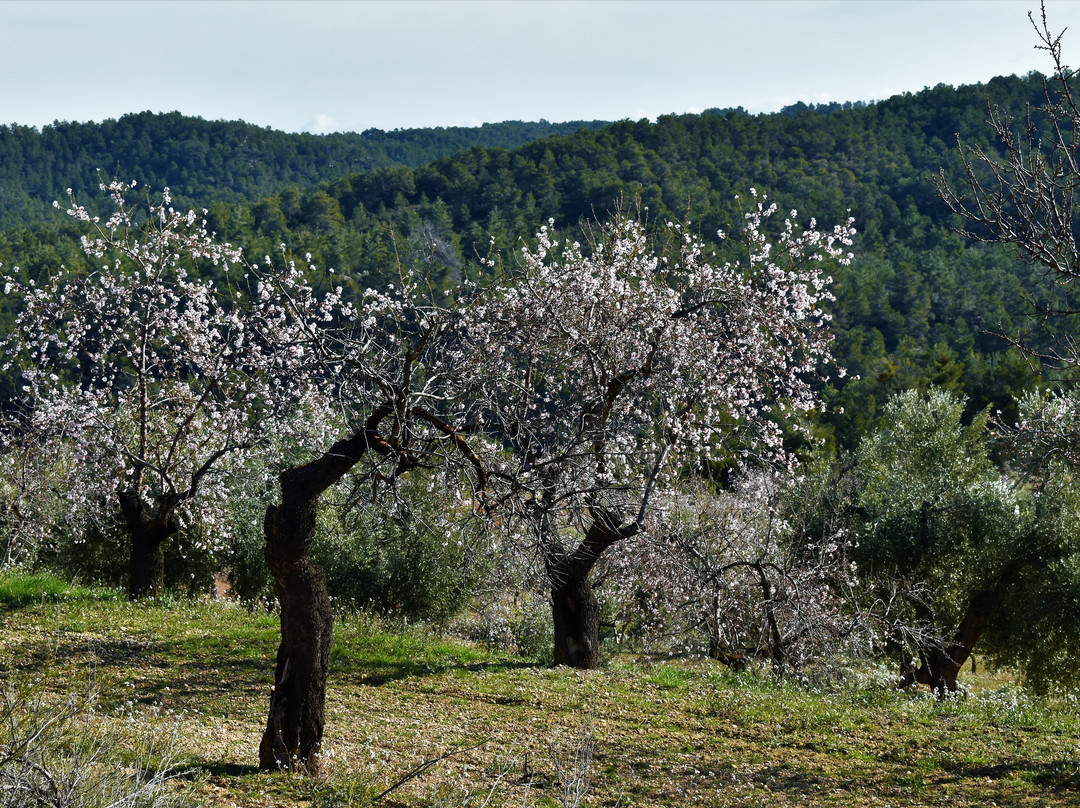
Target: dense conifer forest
[[919, 305], [207, 161]]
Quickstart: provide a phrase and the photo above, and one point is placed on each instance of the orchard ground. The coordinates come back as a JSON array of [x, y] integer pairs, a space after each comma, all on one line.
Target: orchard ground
[[662, 732]]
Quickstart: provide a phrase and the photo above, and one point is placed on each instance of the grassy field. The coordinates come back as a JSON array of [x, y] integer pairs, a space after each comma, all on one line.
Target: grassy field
[[653, 732]]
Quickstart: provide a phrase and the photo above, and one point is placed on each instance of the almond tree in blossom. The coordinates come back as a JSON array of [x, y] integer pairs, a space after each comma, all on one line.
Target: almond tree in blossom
[[758, 570], [602, 371], [396, 370], [159, 382]]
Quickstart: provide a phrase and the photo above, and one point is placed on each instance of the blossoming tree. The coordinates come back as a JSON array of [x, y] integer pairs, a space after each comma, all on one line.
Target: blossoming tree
[[158, 380], [394, 366], [760, 570], [601, 371]]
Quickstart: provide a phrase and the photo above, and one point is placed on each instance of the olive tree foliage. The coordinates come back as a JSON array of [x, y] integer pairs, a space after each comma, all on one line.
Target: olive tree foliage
[[160, 382], [961, 542], [761, 569], [600, 371], [409, 553], [1039, 629]]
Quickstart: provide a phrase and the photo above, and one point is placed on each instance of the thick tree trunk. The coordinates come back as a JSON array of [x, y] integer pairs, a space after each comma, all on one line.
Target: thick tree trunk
[[294, 726], [940, 666], [146, 566], [575, 612]]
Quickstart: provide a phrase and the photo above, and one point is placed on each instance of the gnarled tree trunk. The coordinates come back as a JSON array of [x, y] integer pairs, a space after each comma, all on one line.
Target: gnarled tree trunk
[[575, 611], [294, 726], [940, 666]]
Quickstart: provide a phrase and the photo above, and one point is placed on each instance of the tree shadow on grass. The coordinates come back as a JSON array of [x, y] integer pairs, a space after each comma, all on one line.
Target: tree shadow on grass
[[1058, 775], [160, 677], [376, 673], [217, 768], [788, 778], [217, 678]]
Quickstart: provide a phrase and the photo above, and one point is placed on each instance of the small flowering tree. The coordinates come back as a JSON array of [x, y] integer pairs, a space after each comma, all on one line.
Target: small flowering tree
[[30, 511], [601, 371], [758, 570], [160, 381]]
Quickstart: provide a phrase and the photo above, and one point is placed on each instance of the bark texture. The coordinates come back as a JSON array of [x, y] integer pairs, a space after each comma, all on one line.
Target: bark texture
[[294, 727], [575, 610], [940, 666]]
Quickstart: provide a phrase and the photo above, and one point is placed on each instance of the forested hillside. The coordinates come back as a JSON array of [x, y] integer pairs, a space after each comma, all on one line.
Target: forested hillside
[[204, 161], [917, 306]]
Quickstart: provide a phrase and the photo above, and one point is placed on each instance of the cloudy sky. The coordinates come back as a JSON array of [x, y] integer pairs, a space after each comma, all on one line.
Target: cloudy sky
[[341, 65]]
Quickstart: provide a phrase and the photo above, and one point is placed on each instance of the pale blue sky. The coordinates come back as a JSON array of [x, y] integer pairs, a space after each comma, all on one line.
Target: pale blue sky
[[322, 66]]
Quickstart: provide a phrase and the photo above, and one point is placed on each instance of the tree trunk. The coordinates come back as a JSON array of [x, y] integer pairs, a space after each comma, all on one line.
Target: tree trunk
[[295, 722], [146, 565], [776, 637], [940, 666], [575, 612]]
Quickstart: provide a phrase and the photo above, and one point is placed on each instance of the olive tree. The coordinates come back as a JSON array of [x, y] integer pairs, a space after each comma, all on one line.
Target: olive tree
[[962, 542]]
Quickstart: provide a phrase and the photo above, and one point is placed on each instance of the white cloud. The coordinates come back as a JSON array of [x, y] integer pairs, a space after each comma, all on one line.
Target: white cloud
[[323, 124]]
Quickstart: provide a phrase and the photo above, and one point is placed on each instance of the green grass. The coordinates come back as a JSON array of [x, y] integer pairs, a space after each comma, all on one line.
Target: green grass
[[17, 590], [677, 732]]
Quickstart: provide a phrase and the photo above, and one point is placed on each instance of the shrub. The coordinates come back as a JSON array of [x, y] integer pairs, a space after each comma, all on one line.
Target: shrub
[[400, 558]]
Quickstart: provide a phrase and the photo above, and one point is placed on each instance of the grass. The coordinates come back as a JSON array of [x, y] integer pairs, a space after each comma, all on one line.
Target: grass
[[676, 732], [22, 590]]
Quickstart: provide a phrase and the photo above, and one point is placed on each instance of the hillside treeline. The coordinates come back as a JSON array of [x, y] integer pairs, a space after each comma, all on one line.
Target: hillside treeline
[[204, 161], [918, 306]]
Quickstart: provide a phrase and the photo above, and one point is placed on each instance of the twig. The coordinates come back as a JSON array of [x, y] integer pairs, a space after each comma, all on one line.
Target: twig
[[427, 764]]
